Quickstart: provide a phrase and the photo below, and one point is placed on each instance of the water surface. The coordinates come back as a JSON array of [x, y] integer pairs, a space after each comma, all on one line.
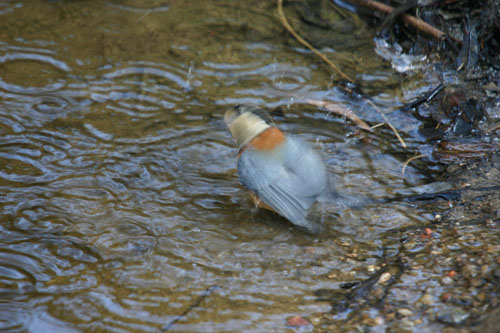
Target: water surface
[[120, 203]]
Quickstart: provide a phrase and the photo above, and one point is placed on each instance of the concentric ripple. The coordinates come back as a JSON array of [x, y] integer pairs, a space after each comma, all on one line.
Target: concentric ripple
[[121, 208]]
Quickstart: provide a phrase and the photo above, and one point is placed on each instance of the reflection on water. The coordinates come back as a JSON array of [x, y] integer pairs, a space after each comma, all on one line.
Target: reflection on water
[[118, 188]]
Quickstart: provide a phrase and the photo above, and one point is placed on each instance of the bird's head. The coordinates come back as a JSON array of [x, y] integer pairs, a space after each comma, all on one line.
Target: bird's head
[[246, 122]]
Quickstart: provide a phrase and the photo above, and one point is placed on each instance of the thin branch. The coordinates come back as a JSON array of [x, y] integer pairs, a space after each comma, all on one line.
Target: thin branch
[[396, 133], [494, 128], [191, 307], [342, 111], [302, 41], [408, 162], [332, 65], [409, 20]]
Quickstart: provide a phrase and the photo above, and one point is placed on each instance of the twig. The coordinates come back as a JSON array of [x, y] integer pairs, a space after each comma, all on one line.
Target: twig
[[389, 19], [427, 97], [332, 65], [388, 123], [342, 111], [144, 15], [377, 125], [407, 19], [448, 195], [302, 41], [494, 128], [408, 162], [195, 304]]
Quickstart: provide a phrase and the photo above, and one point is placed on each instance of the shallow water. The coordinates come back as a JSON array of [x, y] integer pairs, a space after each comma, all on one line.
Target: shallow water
[[120, 204]]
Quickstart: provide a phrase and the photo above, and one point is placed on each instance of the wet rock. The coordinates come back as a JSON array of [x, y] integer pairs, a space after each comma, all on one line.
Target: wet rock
[[451, 274], [490, 323], [378, 292], [407, 325], [426, 234], [446, 297], [476, 282], [389, 312], [404, 312], [367, 321], [427, 299], [464, 300], [310, 250], [454, 317], [470, 271], [481, 297], [315, 320], [446, 280], [384, 277]]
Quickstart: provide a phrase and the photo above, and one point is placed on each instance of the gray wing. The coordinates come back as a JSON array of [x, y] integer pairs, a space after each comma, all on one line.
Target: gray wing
[[289, 180]]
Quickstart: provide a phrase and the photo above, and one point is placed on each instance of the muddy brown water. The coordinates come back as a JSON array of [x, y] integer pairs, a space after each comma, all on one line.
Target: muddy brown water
[[120, 203]]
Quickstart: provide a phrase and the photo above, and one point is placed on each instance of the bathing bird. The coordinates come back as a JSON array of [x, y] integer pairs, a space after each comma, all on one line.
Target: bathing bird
[[283, 173]]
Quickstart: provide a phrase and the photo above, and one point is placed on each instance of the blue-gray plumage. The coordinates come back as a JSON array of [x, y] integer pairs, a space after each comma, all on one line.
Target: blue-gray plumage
[[289, 179], [283, 173]]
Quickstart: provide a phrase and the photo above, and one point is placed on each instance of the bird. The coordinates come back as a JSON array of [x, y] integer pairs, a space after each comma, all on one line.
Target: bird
[[283, 173]]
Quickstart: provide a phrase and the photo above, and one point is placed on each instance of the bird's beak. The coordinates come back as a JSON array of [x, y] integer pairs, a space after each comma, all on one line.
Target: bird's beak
[[230, 116]]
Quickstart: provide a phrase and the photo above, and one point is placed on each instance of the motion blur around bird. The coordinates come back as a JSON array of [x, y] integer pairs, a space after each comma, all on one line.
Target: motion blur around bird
[[283, 173]]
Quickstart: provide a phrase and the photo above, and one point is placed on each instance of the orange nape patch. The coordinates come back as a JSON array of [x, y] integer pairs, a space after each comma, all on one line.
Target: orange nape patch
[[268, 139]]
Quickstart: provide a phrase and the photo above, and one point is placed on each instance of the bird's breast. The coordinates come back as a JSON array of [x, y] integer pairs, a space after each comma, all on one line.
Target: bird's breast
[[268, 140]]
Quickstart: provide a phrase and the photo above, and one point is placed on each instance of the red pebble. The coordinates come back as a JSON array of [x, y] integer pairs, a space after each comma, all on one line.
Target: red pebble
[[427, 233], [451, 274], [297, 321], [446, 297], [310, 250]]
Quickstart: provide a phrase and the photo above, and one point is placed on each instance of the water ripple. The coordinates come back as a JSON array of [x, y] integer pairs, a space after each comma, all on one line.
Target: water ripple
[[137, 70], [120, 198], [139, 6], [35, 68]]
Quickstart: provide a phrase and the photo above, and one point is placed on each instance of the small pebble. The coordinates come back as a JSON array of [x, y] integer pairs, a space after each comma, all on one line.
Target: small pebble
[[426, 234], [407, 324], [451, 274], [481, 297], [310, 250], [455, 317], [405, 312], [446, 297], [315, 320], [368, 321], [384, 278], [446, 280], [427, 299]]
